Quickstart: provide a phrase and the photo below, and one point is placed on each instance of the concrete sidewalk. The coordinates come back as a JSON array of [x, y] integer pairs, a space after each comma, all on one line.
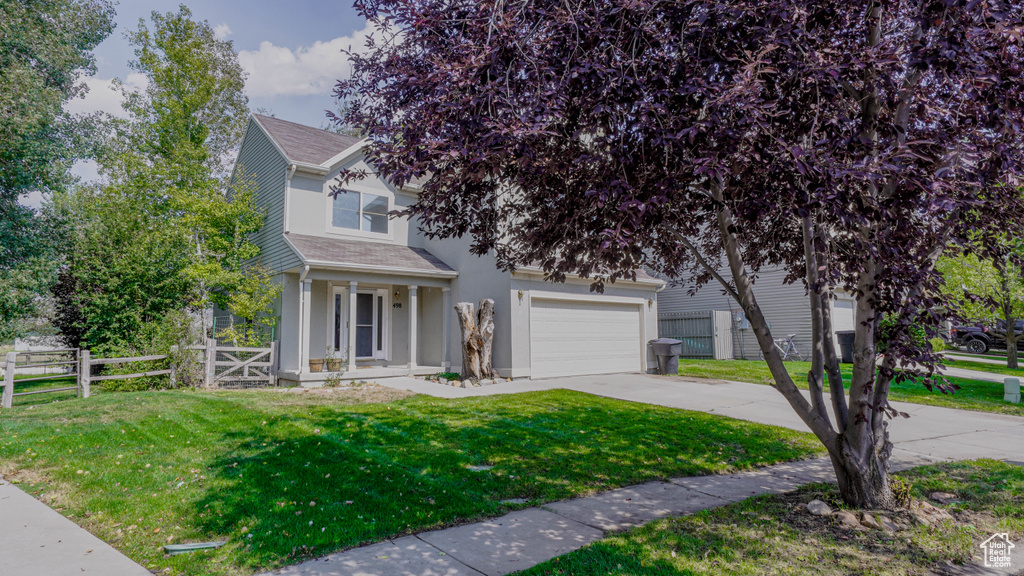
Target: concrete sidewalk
[[978, 359], [525, 538], [35, 540], [974, 374]]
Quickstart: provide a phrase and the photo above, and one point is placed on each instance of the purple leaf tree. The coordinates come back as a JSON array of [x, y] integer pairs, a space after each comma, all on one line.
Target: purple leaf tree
[[851, 143]]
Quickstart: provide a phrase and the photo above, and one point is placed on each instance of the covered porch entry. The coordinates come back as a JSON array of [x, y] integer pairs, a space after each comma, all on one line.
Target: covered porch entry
[[355, 324]]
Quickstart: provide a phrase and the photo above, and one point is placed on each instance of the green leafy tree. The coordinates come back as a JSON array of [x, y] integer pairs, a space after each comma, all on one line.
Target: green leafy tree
[[986, 288], [170, 232], [252, 301], [190, 118], [20, 300], [45, 49], [123, 271]]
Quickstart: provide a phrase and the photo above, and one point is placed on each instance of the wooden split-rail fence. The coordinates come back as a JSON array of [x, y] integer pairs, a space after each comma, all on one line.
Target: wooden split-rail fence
[[223, 367]]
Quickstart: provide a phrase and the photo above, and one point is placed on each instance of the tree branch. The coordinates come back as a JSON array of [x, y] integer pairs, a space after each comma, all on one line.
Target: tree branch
[[783, 381], [704, 264], [835, 376], [816, 375]]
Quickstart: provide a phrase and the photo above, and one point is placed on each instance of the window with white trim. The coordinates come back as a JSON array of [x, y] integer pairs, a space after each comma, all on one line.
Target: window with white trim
[[360, 211]]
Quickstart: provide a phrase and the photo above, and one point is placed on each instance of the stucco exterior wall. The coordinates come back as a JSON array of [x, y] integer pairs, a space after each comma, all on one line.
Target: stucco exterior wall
[[430, 347], [320, 321], [288, 327], [479, 278]]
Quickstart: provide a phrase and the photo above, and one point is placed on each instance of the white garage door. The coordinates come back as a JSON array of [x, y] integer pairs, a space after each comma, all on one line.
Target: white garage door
[[575, 337]]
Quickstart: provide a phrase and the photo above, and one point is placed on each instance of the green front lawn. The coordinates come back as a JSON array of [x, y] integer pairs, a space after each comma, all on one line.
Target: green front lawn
[[973, 394], [984, 367], [774, 535], [284, 476]]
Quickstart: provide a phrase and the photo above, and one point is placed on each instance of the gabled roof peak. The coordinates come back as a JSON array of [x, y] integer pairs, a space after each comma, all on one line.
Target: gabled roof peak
[[305, 144]]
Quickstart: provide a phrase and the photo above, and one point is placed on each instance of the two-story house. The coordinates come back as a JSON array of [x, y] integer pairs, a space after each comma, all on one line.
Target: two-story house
[[373, 291]]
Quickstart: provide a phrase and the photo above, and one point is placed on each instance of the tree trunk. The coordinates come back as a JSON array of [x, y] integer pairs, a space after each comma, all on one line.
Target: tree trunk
[[860, 449], [863, 479], [1009, 318], [835, 376], [471, 341], [816, 376], [1012, 341], [477, 337], [485, 325]]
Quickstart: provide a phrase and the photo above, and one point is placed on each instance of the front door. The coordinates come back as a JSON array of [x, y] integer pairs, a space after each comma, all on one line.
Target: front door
[[369, 325], [365, 325]]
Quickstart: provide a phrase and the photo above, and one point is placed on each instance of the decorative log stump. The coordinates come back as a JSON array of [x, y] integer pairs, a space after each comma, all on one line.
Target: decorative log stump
[[477, 337], [485, 325]]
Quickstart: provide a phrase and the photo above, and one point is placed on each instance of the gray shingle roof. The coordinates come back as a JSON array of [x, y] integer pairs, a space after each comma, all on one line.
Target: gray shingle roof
[[338, 251], [304, 143]]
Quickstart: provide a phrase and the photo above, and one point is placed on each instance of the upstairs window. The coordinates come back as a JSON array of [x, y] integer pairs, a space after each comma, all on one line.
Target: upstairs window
[[361, 211]]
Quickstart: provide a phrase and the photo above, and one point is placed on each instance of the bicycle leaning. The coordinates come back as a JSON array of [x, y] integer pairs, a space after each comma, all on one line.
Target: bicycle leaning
[[787, 349]]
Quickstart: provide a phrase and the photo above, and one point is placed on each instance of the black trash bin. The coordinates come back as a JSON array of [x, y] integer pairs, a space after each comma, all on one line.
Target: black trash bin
[[667, 350], [846, 345]]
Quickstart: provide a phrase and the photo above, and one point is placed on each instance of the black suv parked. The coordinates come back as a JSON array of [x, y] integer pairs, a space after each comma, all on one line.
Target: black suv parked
[[979, 339]]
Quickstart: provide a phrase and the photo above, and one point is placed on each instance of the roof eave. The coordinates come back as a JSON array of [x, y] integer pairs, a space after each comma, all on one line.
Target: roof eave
[[277, 145], [345, 154], [351, 267], [316, 169], [389, 270], [536, 271]]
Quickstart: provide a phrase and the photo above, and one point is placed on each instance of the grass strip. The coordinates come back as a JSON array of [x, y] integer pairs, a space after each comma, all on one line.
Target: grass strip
[[977, 395], [775, 535]]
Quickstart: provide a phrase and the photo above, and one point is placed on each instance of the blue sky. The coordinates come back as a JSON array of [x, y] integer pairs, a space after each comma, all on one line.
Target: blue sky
[[290, 49]]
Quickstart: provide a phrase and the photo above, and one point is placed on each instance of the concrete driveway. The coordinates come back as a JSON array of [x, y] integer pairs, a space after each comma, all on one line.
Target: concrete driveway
[[930, 433]]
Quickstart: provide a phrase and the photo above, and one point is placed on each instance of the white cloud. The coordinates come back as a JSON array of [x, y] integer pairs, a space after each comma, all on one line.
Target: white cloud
[[32, 200], [222, 31], [87, 170], [280, 71], [104, 96]]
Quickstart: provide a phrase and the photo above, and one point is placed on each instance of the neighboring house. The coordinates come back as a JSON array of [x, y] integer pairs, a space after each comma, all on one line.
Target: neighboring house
[[785, 306], [373, 291]]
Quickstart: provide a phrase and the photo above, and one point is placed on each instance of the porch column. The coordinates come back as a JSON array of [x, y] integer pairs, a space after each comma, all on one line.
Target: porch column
[[446, 313], [413, 329], [352, 325], [330, 315], [304, 329]]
